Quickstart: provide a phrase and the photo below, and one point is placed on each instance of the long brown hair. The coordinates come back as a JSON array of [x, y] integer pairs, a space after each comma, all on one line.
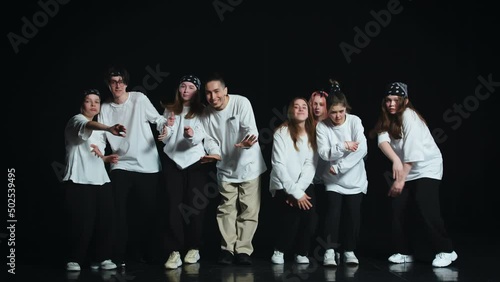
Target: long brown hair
[[293, 128], [196, 107], [393, 124]]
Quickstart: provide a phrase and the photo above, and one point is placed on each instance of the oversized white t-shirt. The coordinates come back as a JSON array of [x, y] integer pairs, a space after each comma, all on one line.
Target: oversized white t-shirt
[[82, 165], [184, 151], [137, 151], [292, 170], [417, 147], [224, 129], [351, 175]]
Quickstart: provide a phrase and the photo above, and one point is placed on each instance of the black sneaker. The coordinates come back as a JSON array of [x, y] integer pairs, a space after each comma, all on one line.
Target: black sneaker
[[243, 259], [226, 257]]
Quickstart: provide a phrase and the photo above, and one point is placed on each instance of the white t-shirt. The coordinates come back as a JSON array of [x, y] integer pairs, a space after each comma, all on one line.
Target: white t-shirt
[[137, 151], [82, 165], [292, 170], [351, 175], [184, 151], [224, 129], [417, 147]]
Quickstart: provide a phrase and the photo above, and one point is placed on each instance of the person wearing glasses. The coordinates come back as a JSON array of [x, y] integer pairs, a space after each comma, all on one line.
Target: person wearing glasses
[[137, 174]]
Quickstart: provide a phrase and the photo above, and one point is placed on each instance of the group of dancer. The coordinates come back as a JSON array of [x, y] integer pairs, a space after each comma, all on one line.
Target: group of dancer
[[320, 147]]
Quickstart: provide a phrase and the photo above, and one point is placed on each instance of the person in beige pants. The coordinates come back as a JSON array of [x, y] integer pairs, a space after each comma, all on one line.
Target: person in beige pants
[[231, 140]]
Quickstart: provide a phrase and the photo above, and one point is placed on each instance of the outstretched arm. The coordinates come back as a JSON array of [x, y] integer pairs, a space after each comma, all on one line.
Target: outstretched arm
[[117, 129]]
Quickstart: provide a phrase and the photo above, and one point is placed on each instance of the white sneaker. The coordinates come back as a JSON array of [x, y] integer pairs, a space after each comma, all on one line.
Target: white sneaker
[[350, 258], [174, 261], [278, 257], [329, 258], [444, 259], [72, 266], [192, 256], [107, 265], [400, 258], [301, 259]]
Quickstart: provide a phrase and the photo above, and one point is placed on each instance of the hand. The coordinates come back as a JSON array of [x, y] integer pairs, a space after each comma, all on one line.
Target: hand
[[96, 151], [171, 119], [247, 142], [210, 158], [332, 170], [291, 201], [396, 188], [398, 171], [163, 133], [351, 145], [113, 158], [188, 132], [118, 130], [303, 203]]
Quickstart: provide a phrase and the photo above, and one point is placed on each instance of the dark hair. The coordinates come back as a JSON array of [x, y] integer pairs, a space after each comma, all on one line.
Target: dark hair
[[215, 76], [117, 71], [84, 94], [337, 97], [90, 91]]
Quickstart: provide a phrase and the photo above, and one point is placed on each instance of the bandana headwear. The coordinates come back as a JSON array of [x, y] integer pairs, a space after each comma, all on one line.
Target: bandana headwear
[[398, 89], [334, 87], [193, 79], [91, 91]]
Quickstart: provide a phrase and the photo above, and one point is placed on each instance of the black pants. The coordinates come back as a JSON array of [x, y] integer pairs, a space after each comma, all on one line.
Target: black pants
[[346, 208], [186, 203], [294, 227], [422, 195], [135, 211], [89, 213]]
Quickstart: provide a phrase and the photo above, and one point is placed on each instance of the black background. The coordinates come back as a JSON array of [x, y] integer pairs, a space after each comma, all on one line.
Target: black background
[[269, 53]]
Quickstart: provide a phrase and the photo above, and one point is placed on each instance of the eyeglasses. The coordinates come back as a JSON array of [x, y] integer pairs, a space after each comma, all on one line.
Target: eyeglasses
[[115, 82]]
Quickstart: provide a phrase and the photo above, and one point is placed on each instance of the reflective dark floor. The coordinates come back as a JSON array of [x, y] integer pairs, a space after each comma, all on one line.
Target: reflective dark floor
[[478, 261]]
